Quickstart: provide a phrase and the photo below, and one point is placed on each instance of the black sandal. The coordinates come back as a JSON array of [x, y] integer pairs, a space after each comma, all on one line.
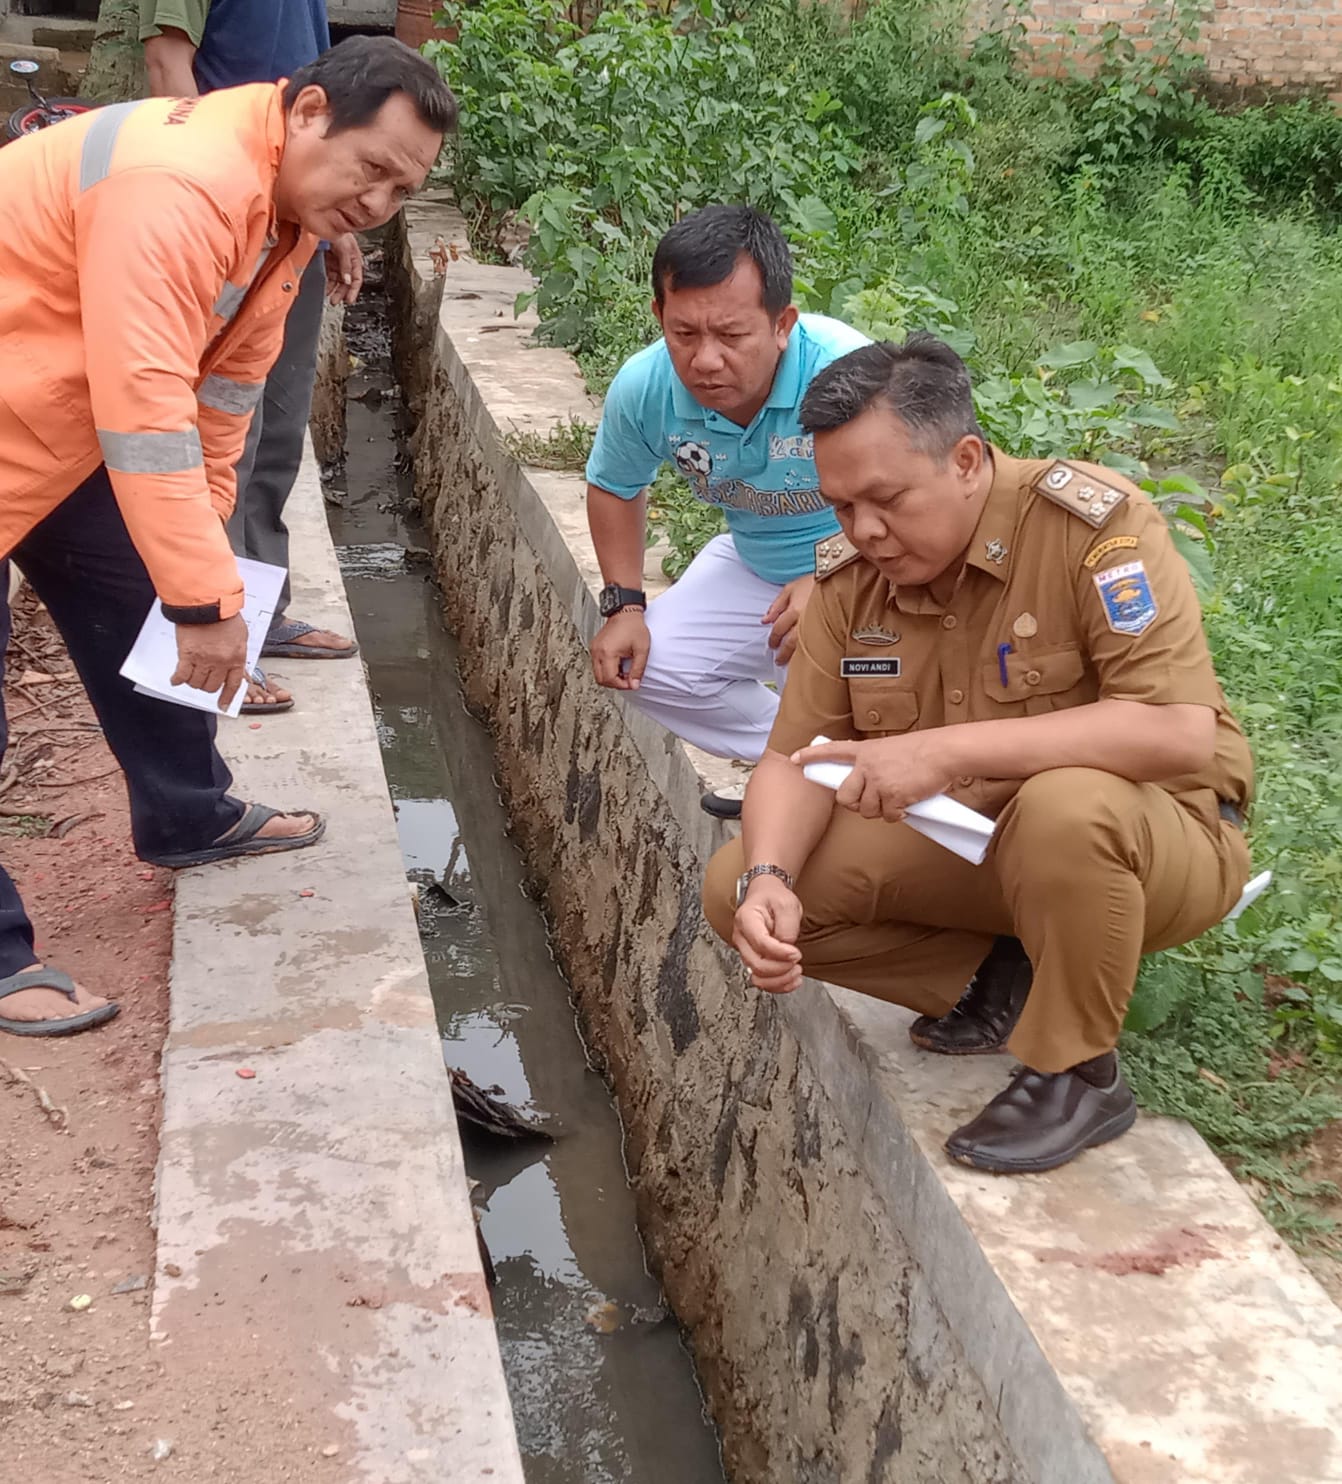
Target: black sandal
[[62, 983], [242, 840], [263, 708]]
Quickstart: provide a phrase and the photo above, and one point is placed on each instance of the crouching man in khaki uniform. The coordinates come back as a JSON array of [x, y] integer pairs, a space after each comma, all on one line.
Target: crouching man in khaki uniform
[[1023, 636]]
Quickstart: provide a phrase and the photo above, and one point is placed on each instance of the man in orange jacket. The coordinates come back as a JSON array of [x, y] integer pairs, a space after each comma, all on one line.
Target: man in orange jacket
[[198, 46], [144, 286]]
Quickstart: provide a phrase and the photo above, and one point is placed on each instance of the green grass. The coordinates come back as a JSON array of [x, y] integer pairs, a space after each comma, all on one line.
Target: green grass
[[564, 448]]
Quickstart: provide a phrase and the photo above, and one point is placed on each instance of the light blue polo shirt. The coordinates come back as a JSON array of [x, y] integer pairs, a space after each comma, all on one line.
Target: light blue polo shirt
[[762, 476]]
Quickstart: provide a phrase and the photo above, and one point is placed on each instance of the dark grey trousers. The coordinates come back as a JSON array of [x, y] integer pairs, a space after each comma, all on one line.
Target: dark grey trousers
[[82, 564], [269, 462]]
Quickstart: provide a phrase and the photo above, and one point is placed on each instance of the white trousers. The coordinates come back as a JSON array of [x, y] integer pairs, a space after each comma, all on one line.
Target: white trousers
[[710, 656]]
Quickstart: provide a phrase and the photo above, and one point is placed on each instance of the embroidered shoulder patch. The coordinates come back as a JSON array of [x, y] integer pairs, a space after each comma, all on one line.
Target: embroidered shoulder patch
[[1083, 494], [833, 553], [1115, 543], [1129, 604]]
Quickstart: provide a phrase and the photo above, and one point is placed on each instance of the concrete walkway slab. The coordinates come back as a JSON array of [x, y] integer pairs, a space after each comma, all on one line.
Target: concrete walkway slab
[[313, 1220]]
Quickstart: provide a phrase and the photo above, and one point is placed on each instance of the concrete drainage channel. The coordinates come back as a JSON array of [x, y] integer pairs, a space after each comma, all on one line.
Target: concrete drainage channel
[[602, 1387], [862, 1311]]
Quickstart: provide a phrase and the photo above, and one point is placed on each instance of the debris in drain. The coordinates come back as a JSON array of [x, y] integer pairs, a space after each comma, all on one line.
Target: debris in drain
[[381, 561], [432, 896], [492, 1115], [603, 1318], [437, 892]]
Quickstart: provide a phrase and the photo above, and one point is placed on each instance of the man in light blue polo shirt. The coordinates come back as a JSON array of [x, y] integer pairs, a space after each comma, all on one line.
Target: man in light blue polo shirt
[[718, 398]]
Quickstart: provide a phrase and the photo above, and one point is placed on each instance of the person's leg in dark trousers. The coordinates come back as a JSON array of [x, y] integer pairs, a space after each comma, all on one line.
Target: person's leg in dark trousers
[[48, 998], [16, 932], [82, 564], [269, 463]]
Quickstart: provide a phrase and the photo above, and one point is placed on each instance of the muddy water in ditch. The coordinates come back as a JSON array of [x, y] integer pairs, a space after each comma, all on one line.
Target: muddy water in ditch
[[602, 1386]]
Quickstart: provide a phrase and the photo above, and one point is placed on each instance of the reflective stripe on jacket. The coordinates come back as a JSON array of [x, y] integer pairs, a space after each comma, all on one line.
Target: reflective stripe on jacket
[[144, 283]]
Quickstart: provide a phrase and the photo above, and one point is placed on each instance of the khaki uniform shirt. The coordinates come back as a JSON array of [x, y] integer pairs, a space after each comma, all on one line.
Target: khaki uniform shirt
[[1072, 592]]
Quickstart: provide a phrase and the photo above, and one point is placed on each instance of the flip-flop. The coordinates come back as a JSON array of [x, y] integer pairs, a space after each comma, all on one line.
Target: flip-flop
[[282, 644], [264, 708], [62, 984], [242, 840]]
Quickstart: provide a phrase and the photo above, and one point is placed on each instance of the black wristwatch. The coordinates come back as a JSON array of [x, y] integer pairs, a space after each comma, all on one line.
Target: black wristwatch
[[614, 597], [743, 881]]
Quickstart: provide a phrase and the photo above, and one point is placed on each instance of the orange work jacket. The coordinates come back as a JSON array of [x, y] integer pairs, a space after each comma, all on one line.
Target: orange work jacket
[[144, 284]]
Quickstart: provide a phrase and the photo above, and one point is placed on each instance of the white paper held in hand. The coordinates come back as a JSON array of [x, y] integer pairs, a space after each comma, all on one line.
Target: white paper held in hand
[[951, 824], [1255, 889], [153, 657]]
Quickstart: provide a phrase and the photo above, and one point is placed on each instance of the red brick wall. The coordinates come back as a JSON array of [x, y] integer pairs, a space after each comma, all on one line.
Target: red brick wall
[[1276, 43]]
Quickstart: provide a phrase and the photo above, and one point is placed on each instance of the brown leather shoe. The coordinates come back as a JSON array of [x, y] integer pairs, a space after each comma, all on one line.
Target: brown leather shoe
[[986, 1014], [1042, 1120]]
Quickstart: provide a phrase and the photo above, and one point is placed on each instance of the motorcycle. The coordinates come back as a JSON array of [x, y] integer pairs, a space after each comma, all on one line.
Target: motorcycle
[[40, 112]]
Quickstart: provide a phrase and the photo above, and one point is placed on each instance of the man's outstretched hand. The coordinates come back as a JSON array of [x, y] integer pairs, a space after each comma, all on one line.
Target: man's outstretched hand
[[212, 657]]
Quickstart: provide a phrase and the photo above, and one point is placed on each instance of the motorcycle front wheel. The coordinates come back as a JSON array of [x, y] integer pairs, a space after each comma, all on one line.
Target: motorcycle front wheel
[[32, 116]]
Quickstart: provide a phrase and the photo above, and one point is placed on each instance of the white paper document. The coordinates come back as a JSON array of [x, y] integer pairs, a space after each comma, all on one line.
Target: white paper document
[[1250, 894], [941, 818], [153, 656]]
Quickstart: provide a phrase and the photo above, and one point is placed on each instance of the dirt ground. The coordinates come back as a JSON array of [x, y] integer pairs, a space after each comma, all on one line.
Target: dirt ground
[[77, 1388], [84, 1398]]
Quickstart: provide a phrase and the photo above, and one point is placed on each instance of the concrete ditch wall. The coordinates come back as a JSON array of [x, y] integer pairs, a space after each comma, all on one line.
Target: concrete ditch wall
[[862, 1311]]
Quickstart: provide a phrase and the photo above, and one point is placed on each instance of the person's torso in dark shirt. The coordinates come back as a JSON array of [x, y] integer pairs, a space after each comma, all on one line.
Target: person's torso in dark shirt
[[259, 41]]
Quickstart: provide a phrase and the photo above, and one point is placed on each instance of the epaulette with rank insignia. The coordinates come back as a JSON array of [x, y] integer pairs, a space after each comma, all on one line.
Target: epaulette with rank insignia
[[1080, 492], [833, 553]]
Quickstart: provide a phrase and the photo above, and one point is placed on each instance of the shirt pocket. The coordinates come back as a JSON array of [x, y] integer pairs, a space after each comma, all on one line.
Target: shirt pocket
[[1045, 678], [882, 705]]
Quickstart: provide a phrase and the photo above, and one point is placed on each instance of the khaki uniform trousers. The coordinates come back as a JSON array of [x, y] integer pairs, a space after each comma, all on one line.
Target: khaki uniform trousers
[[1087, 869]]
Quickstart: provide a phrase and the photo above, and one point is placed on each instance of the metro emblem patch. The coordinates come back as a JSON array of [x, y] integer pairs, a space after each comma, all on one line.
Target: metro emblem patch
[[1129, 604]]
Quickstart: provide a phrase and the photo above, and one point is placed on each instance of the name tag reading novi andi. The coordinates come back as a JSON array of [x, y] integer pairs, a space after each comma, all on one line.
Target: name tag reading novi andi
[[858, 667]]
